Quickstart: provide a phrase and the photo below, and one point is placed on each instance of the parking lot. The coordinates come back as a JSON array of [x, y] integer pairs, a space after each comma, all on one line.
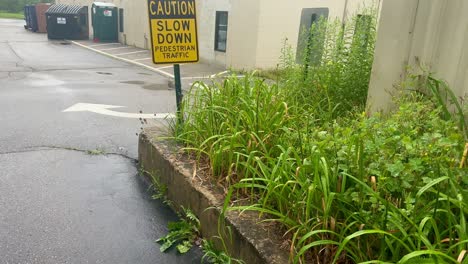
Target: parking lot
[[190, 72]]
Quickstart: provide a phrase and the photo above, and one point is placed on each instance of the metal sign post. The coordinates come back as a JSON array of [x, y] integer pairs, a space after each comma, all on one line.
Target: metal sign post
[[178, 86], [174, 40]]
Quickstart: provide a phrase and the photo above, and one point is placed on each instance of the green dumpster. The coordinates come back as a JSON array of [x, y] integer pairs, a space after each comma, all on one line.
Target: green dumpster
[[105, 22]]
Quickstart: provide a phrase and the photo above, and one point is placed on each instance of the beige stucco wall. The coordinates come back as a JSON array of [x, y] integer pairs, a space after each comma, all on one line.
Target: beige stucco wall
[[256, 28], [206, 17], [136, 24], [243, 34], [280, 20], [412, 33]]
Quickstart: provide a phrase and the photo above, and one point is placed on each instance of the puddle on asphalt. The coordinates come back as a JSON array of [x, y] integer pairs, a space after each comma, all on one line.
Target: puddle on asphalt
[[149, 86], [134, 82], [42, 79], [155, 86], [104, 73], [144, 73]]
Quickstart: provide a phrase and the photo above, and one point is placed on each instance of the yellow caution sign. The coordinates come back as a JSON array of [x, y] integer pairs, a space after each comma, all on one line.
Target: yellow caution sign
[[173, 26]]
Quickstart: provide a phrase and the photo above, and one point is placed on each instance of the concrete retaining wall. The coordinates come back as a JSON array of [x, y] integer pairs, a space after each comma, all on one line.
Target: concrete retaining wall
[[252, 241]]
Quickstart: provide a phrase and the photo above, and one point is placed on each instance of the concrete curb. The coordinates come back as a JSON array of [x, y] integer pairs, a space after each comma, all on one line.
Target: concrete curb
[[251, 240], [163, 73]]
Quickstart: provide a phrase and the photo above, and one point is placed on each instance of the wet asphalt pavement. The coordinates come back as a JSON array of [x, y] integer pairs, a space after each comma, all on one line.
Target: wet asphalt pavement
[[58, 203]]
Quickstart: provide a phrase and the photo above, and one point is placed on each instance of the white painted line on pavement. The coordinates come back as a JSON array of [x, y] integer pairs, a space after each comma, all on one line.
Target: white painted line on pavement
[[133, 52], [125, 60], [105, 44], [142, 59], [199, 77], [165, 67], [105, 110], [218, 74], [207, 76], [170, 66], [116, 48]]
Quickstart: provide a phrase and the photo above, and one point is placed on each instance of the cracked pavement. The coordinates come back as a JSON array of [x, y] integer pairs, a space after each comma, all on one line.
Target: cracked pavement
[[58, 204]]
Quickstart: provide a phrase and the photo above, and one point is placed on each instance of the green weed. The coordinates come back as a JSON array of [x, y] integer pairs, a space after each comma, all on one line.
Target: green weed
[[182, 234], [95, 152], [159, 189], [334, 75], [212, 255]]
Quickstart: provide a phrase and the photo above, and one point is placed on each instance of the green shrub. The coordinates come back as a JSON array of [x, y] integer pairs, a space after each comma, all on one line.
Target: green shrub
[[315, 178], [182, 233], [346, 187], [335, 76]]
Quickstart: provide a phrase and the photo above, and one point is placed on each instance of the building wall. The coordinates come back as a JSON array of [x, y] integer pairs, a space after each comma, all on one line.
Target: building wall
[[430, 34], [136, 23], [206, 17], [256, 28], [242, 37], [280, 20]]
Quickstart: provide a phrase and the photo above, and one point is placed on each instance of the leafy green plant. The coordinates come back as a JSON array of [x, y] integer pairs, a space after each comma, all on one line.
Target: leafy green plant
[[346, 188], [159, 190], [95, 152], [330, 202], [337, 61], [448, 102], [182, 233], [212, 255], [359, 189]]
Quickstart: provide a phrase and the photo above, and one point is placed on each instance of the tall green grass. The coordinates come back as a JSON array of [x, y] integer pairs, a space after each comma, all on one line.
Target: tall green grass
[[5, 14], [346, 188], [337, 59]]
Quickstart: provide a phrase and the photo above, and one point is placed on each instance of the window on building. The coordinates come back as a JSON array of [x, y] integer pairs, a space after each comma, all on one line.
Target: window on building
[[221, 30], [311, 35], [121, 20]]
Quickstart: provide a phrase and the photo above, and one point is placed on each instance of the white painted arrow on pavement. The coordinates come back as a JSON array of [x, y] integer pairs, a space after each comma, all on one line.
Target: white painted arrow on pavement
[[104, 110]]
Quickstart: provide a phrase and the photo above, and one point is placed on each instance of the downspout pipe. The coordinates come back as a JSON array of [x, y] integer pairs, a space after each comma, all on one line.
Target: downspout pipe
[[344, 11]]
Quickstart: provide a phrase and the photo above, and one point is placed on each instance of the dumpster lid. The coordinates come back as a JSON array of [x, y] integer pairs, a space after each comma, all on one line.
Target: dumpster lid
[[104, 4], [64, 9]]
